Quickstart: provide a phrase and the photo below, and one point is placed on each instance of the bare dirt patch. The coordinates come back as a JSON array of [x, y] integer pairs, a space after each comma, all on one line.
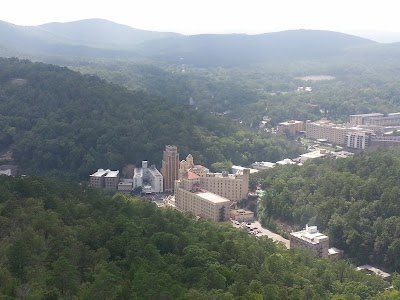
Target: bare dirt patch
[[316, 77]]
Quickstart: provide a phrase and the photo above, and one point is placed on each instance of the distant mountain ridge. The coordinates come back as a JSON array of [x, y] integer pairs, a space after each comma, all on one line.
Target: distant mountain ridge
[[102, 38], [230, 49]]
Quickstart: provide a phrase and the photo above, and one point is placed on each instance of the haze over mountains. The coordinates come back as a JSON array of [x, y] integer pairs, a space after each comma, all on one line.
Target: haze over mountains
[[102, 38]]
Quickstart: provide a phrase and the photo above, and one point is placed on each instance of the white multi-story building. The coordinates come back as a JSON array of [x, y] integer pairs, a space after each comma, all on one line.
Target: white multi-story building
[[358, 140], [149, 178], [310, 238]]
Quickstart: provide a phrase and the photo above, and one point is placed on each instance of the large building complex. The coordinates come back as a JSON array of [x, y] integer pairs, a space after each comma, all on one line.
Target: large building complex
[[105, 179], [326, 130], [340, 134], [207, 194], [363, 130], [149, 178], [310, 238], [170, 167], [362, 119]]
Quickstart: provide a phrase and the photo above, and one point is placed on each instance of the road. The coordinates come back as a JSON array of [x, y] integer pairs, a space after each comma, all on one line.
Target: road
[[270, 234]]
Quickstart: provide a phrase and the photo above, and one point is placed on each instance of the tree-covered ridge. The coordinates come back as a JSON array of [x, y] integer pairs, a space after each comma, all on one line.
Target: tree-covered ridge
[[354, 200], [73, 242], [62, 122]]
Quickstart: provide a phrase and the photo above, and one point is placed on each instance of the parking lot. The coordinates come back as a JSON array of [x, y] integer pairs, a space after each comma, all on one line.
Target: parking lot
[[255, 228]]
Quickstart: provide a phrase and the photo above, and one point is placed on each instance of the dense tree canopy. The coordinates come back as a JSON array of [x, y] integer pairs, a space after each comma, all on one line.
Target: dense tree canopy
[[353, 200], [61, 122], [73, 242]]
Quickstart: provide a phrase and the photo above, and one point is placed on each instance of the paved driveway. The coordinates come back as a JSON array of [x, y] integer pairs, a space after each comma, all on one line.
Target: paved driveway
[[269, 233]]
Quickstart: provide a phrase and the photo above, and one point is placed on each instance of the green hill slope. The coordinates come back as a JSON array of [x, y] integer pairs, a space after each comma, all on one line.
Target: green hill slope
[[73, 242], [354, 200], [62, 122]]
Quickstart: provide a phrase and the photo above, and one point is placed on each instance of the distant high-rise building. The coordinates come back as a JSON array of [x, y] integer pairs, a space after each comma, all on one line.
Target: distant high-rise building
[[170, 167]]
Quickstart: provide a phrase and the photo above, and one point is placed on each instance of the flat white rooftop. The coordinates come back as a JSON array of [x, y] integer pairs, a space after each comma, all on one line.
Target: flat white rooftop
[[263, 164], [368, 115], [313, 154], [100, 173], [112, 174], [286, 161], [310, 234], [211, 197], [377, 271]]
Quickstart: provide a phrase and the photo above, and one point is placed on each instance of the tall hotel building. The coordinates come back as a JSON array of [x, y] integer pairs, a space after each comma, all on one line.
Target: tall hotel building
[[209, 195], [170, 167]]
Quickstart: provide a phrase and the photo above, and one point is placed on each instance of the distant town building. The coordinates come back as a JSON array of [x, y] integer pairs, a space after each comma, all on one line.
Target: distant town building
[[291, 128], [372, 270], [385, 141], [149, 178], [325, 129], [8, 170], [263, 165], [111, 180], [234, 187], [361, 119], [208, 195], [125, 186], [320, 153], [304, 89], [105, 179], [286, 161], [242, 215], [358, 140], [310, 238], [97, 178], [170, 167], [339, 134], [239, 170]]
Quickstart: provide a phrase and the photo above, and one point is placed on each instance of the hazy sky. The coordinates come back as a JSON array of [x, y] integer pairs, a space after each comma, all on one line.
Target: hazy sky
[[213, 16]]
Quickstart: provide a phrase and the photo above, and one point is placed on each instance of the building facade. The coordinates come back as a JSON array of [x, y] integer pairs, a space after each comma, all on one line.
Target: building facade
[[358, 140], [111, 180], [291, 128], [202, 203], [149, 178], [106, 179], [207, 194], [362, 119], [325, 129], [310, 238], [234, 187], [170, 167]]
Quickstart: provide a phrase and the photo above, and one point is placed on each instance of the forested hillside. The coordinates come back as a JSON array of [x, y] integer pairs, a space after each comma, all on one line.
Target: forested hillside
[[354, 200], [56, 121], [73, 242]]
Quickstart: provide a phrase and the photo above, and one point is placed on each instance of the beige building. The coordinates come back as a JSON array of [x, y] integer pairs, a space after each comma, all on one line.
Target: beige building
[[170, 167], [392, 119], [105, 179], [234, 187], [325, 129], [208, 195], [242, 215], [362, 119], [340, 134], [202, 203], [291, 128], [310, 238]]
